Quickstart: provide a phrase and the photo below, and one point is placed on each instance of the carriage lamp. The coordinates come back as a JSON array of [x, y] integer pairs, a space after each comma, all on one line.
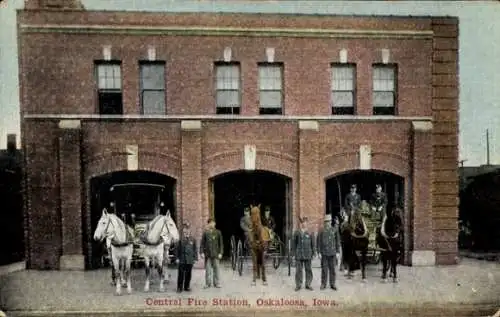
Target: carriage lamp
[[112, 204], [162, 204]]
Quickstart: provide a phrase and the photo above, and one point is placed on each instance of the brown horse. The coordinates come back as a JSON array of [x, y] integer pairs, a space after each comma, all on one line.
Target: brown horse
[[389, 238], [258, 239]]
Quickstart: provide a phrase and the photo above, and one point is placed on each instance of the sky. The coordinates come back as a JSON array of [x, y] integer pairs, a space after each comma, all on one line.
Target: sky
[[479, 53]]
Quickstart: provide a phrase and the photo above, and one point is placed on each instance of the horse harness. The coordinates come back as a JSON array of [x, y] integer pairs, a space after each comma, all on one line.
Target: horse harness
[[126, 243]]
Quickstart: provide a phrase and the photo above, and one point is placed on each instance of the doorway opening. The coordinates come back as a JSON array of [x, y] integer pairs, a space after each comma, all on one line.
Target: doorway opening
[[338, 187], [138, 193], [232, 192]]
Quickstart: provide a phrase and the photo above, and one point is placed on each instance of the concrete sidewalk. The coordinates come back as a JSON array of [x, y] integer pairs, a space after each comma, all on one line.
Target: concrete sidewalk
[[439, 291]]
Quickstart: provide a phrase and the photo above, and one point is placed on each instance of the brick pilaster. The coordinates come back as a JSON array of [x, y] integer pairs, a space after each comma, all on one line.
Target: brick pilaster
[[70, 193], [309, 184], [423, 249], [191, 178], [445, 105]]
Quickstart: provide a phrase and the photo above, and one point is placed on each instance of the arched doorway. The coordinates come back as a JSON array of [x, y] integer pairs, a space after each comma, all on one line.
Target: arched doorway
[[338, 186], [131, 192], [232, 192]]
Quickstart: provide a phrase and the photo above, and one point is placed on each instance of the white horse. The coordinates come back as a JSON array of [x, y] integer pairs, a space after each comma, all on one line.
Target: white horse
[[160, 233], [120, 238]]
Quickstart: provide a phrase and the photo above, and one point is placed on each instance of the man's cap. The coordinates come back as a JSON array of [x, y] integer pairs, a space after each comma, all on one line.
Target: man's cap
[[267, 208], [328, 217], [353, 186]]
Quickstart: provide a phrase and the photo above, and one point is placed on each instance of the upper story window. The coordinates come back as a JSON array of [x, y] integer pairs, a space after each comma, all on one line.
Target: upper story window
[[343, 89], [227, 85], [384, 89], [270, 88], [109, 87], [152, 75]]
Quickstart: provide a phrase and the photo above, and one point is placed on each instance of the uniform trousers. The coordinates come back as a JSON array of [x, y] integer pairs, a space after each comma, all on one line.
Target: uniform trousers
[[328, 270], [184, 276], [300, 266]]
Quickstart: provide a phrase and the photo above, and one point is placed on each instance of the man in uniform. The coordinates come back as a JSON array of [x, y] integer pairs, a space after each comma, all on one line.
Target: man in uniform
[[245, 222], [379, 203], [269, 222], [328, 245], [187, 255], [211, 247], [352, 200], [303, 249]]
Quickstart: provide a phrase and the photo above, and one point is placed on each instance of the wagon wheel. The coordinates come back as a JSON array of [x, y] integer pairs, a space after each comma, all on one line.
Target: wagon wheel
[[278, 256], [289, 256], [240, 257], [233, 253]]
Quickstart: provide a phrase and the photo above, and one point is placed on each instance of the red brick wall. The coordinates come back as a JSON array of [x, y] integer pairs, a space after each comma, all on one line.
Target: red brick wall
[[65, 62], [55, 63]]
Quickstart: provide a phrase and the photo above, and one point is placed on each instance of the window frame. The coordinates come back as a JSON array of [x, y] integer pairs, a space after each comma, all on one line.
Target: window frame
[[142, 89], [394, 68], [219, 109], [99, 91], [352, 66], [281, 67]]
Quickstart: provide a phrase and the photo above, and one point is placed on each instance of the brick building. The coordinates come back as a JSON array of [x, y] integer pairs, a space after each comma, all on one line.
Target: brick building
[[226, 109]]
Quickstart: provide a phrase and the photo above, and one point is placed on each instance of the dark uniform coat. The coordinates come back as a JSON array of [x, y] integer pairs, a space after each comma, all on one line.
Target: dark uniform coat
[[269, 222], [187, 252], [211, 243], [303, 245], [354, 200], [328, 241], [379, 201]]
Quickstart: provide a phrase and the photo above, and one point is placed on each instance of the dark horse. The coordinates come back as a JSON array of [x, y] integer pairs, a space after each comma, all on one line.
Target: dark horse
[[389, 238], [354, 238]]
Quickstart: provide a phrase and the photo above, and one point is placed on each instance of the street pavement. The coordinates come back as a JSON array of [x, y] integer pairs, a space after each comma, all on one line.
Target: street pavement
[[471, 285]]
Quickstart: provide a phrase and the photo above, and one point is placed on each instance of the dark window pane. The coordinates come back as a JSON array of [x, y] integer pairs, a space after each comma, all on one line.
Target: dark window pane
[[227, 110], [384, 111], [110, 103], [342, 111], [273, 111]]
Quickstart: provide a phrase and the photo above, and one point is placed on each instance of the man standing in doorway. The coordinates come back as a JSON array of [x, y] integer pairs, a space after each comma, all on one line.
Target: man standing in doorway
[[378, 203], [328, 244], [269, 222], [211, 247], [245, 222], [303, 248], [352, 200]]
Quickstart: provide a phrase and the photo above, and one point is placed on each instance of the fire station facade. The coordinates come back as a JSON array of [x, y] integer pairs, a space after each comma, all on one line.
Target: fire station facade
[[194, 97]]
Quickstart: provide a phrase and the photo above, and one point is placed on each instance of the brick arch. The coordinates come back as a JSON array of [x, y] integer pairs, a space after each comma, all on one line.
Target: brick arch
[[107, 163], [231, 161], [341, 163]]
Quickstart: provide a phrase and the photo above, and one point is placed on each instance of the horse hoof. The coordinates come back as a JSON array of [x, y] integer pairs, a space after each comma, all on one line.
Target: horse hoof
[[384, 280], [394, 280], [146, 289], [118, 293], [129, 290], [363, 281], [254, 283], [162, 289]]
